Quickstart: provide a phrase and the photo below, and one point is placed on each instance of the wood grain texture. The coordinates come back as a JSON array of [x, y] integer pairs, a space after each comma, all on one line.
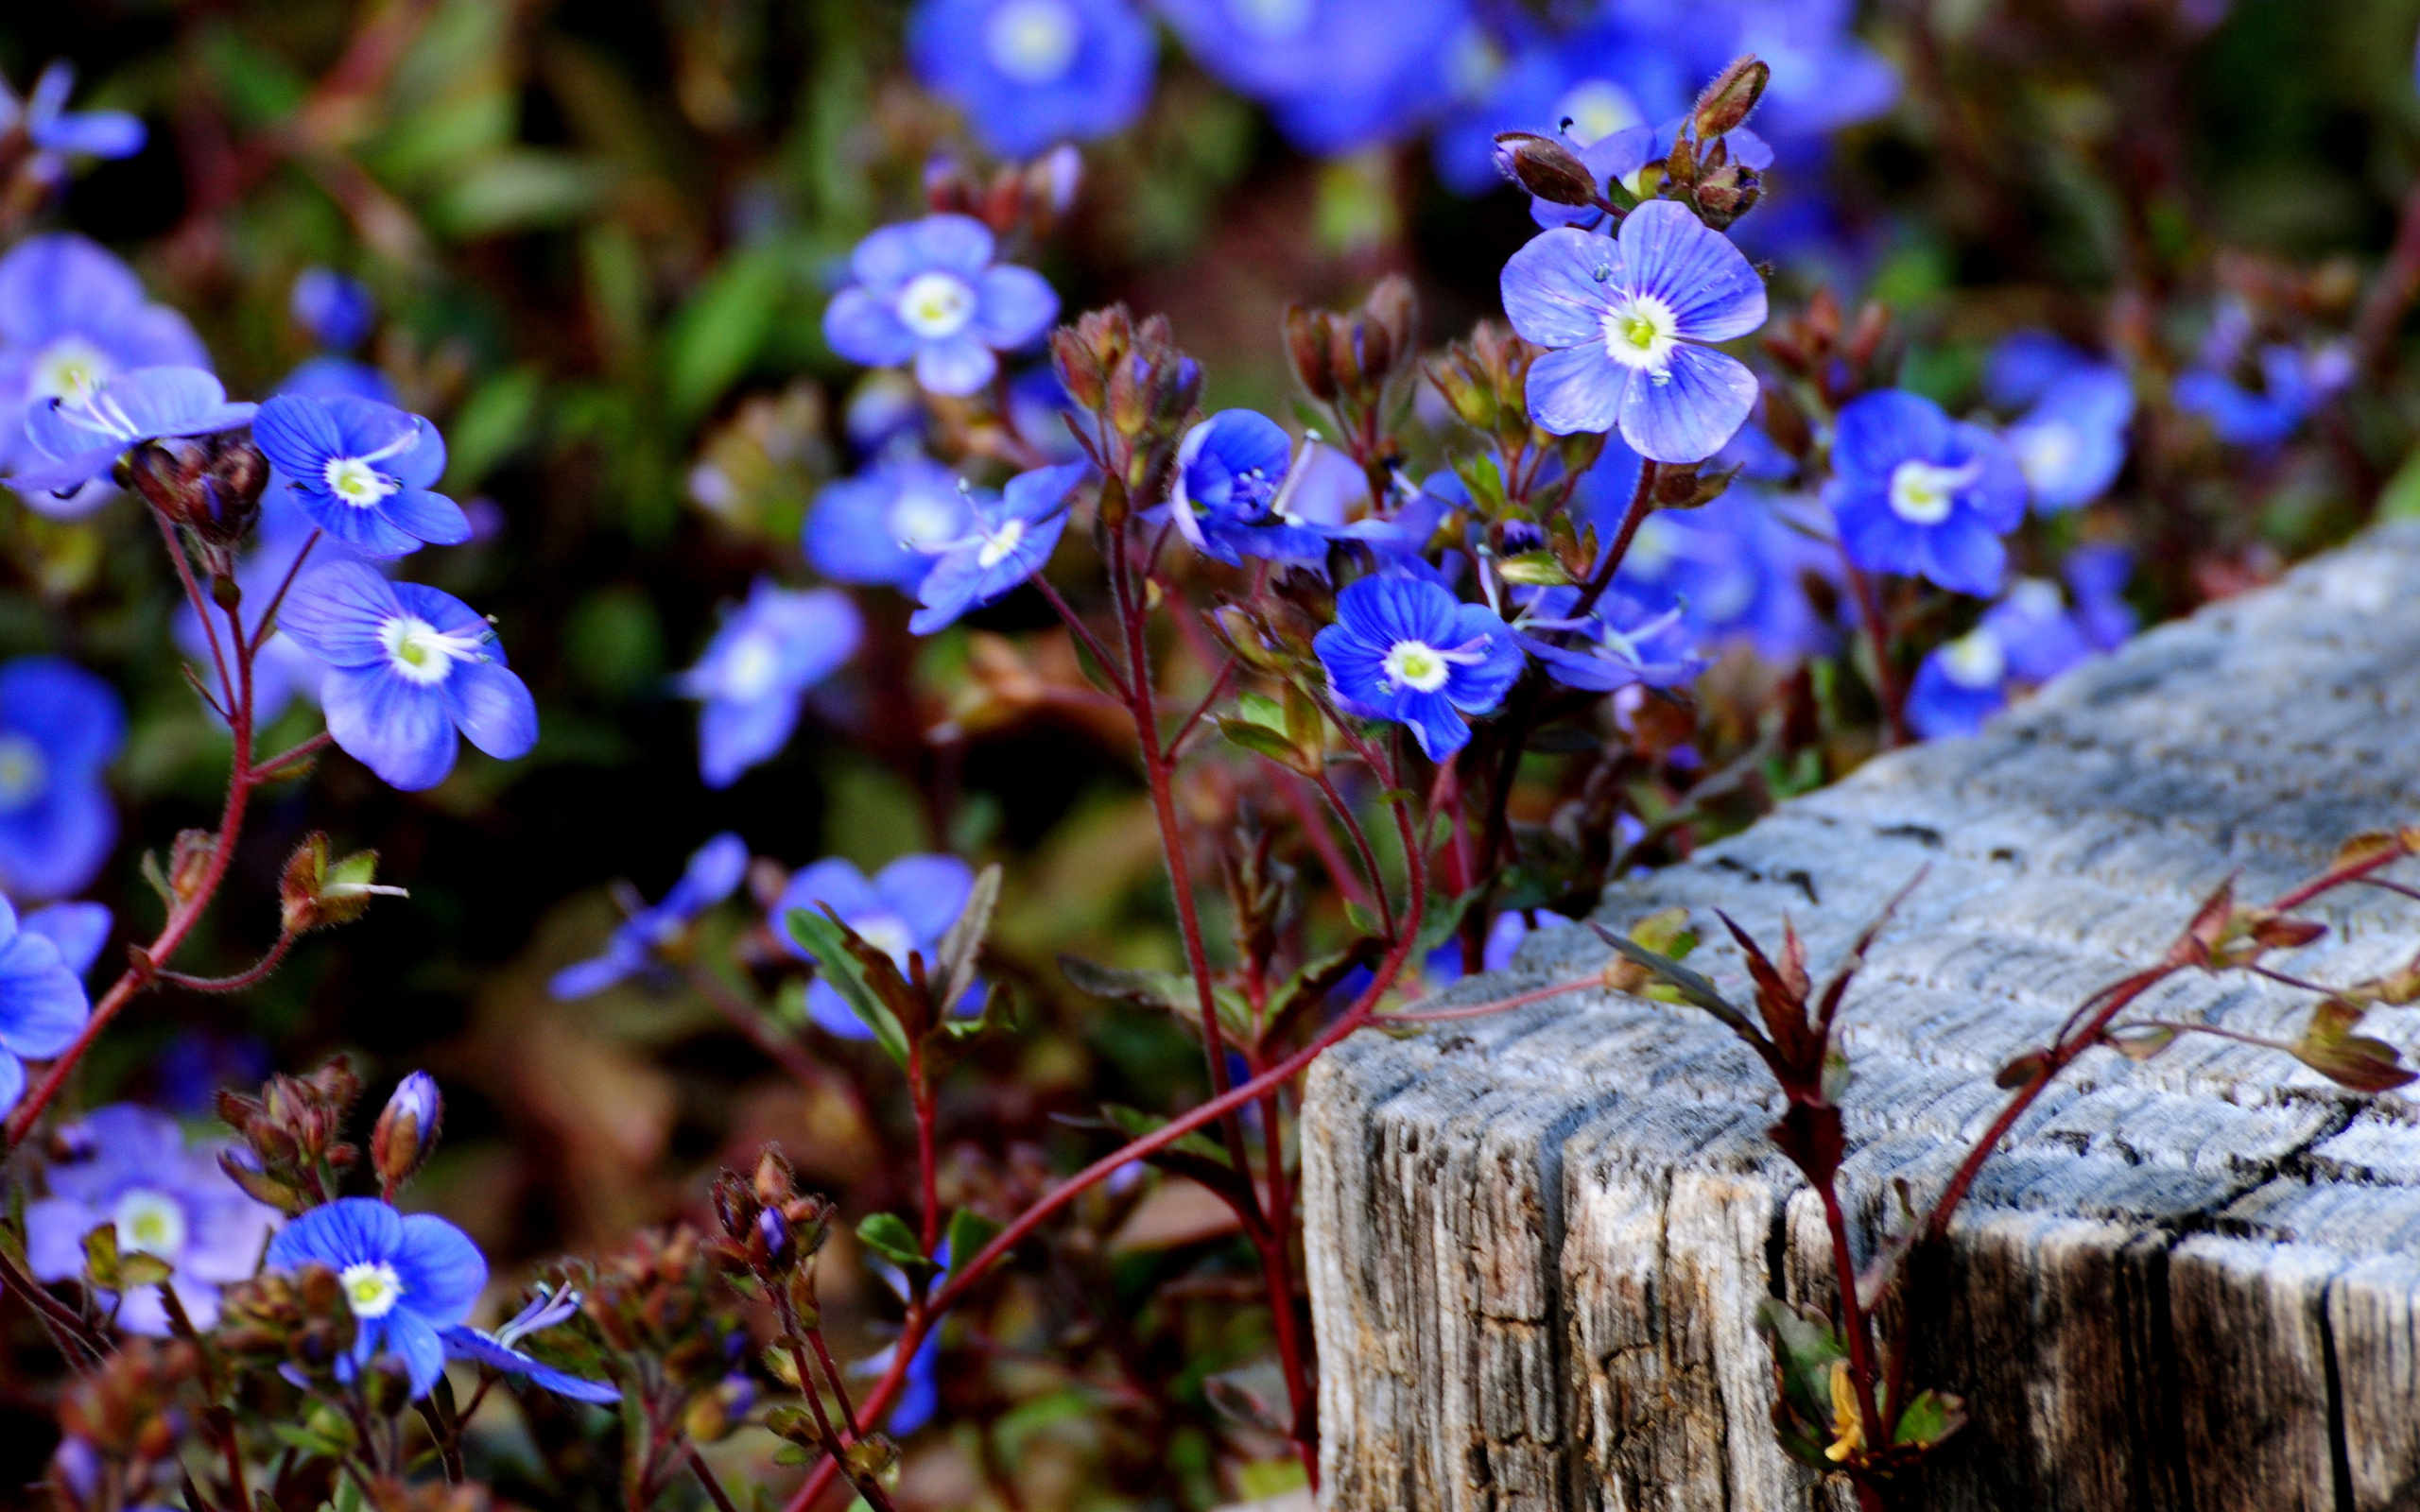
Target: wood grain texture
[[1537, 1241]]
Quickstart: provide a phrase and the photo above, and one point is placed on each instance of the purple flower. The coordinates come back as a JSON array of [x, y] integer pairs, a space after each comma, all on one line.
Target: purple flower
[[713, 874], [1627, 319], [71, 316], [60, 725], [1337, 75], [1405, 650], [52, 129], [406, 1280], [909, 907], [1916, 492], [1604, 79], [2027, 638], [1030, 73], [501, 1351], [361, 470], [43, 1006], [83, 439], [336, 310], [407, 666], [882, 525], [1007, 541], [130, 1167], [757, 668], [930, 291]]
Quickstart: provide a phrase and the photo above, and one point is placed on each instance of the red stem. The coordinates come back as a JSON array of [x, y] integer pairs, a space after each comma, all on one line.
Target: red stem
[[1886, 676]]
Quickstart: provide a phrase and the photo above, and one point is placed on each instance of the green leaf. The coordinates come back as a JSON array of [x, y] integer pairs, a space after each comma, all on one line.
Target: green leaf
[[1694, 988], [1443, 921], [1261, 710], [1119, 984], [307, 1442], [1932, 1416], [2354, 1061], [491, 424], [1261, 740], [827, 941], [1135, 1123], [969, 1231], [2400, 498], [887, 1235], [520, 189], [717, 334], [962, 947]]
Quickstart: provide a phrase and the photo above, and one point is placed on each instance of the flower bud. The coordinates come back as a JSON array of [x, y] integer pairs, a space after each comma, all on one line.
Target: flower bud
[[775, 1231], [1733, 92], [406, 1129], [314, 892], [1307, 346], [1545, 167]]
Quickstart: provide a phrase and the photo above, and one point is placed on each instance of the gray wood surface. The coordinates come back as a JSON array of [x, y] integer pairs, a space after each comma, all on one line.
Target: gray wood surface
[[1537, 1241]]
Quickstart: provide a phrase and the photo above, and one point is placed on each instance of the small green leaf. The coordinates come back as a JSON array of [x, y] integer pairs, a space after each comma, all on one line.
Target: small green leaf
[[1932, 1416], [1119, 984], [1261, 740], [1262, 710], [962, 946], [1693, 988], [887, 1235], [969, 1231], [827, 941]]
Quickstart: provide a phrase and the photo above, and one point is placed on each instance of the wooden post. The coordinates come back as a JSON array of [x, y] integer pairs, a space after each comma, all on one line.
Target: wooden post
[[1537, 1242]]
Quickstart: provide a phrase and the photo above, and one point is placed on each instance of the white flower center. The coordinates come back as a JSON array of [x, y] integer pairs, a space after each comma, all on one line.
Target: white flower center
[[921, 521], [1416, 664], [372, 1288], [354, 481], [1032, 41], [1597, 108], [69, 369], [422, 653], [999, 544], [1271, 20], [24, 772], [2037, 600], [1975, 660], [150, 1223], [886, 933], [752, 670], [1640, 331], [2045, 450], [935, 306], [1922, 492]]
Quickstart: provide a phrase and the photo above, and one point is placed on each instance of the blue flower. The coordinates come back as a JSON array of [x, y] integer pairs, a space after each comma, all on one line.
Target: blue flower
[[60, 725], [756, 671], [361, 470], [2026, 637], [909, 907], [929, 290], [130, 1167], [920, 1393], [52, 129], [83, 439], [1032, 73], [500, 1349], [283, 671], [79, 930], [1443, 965], [2293, 384], [882, 525], [1822, 76], [1627, 319], [406, 1278], [1232, 473], [2026, 364], [1337, 75], [70, 317], [1405, 650], [407, 666], [1734, 569], [2072, 442], [338, 311], [43, 1006], [713, 874], [1916, 492], [2096, 575], [1619, 644], [1008, 541]]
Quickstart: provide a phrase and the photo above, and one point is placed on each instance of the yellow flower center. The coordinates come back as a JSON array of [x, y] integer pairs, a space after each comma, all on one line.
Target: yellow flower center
[[372, 1288], [356, 482], [1416, 664], [150, 1223], [935, 306], [1922, 492]]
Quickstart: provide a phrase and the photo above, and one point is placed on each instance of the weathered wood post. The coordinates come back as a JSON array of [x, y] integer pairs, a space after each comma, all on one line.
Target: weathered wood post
[[1537, 1242]]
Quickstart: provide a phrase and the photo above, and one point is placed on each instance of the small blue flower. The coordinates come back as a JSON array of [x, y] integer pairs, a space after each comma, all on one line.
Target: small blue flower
[[407, 666], [882, 525], [1444, 966], [909, 907], [2027, 638], [2293, 384], [1823, 78], [338, 311], [1605, 78], [283, 671], [1232, 473], [1337, 75], [1008, 541], [130, 1167], [1403, 650], [79, 931], [500, 1349], [1627, 319], [83, 439], [2071, 441], [406, 1278], [1916, 492], [713, 874], [60, 725], [1032, 73], [929, 290], [43, 1006], [361, 470], [757, 670], [2096, 575], [1619, 644], [71, 316], [52, 129]]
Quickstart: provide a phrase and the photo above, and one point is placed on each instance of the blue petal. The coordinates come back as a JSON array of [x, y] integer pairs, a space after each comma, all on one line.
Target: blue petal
[[1879, 431], [956, 366], [927, 892], [715, 872], [1013, 305], [831, 1012], [1703, 398], [411, 1338], [734, 737], [1578, 390], [398, 729], [830, 881], [859, 326], [55, 845], [297, 434], [470, 1344], [1551, 289], [42, 1005], [425, 516], [334, 611], [493, 708], [79, 931], [348, 1231], [1964, 555], [101, 133], [1711, 289], [442, 1272], [76, 717], [587, 978]]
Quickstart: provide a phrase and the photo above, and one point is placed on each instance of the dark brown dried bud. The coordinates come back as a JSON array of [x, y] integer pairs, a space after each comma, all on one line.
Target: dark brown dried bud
[[1545, 167], [1306, 348]]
